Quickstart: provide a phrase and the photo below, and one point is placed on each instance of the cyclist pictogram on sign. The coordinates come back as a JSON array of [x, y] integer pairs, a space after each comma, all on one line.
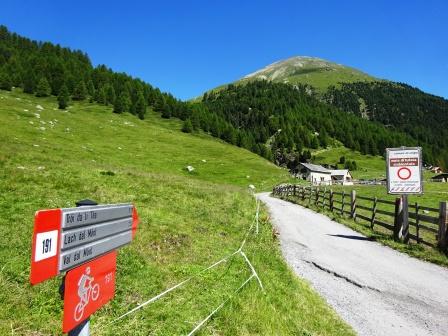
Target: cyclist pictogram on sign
[[87, 290]]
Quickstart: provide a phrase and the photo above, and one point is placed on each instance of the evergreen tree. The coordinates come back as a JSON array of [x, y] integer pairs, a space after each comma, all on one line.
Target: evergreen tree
[[29, 83], [43, 88], [110, 93], [5, 82], [91, 88], [101, 95], [122, 103], [140, 106], [63, 97], [314, 143], [80, 91], [187, 127]]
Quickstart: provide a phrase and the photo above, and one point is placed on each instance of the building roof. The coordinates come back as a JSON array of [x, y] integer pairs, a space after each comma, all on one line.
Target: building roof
[[323, 170], [339, 172], [316, 168]]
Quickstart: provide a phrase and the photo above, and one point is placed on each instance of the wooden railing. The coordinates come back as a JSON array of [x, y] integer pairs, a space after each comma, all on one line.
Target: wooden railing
[[424, 225]]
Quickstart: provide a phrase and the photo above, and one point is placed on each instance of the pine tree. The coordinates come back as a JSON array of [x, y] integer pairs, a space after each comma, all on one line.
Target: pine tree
[[140, 106], [187, 127], [43, 88], [29, 83], [5, 82], [314, 143], [122, 103], [110, 93], [101, 95], [63, 97], [90, 88], [80, 91]]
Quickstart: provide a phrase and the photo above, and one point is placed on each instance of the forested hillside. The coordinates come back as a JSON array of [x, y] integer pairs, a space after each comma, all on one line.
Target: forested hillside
[[290, 120], [45, 69], [399, 106]]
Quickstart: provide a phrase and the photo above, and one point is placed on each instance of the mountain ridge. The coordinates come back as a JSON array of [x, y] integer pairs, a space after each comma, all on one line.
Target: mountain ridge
[[314, 71]]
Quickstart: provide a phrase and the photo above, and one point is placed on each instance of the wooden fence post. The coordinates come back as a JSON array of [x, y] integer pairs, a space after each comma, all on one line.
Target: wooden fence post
[[317, 196], [353, 205], [295, 190], [398, 220], [375, 205], [443, 220], [343, 202], [331, 201], [303, 194], [323, 198]]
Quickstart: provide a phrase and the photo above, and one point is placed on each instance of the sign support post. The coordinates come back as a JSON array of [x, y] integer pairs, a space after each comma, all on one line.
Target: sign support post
[[82, 244], [405, 218], [83, 329]]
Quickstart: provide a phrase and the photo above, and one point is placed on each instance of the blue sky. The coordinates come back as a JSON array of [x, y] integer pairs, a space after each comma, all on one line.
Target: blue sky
[[187, 47]]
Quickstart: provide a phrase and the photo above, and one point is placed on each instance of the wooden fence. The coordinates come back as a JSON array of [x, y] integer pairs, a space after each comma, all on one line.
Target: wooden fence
[[424, 225]]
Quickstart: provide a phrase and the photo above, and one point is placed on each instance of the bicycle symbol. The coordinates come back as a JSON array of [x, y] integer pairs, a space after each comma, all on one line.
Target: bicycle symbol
[[86, 291]]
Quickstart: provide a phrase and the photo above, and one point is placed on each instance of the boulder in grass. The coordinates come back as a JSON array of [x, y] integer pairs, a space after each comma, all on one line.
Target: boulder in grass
[[39, 107], [251, 186], [189, 168]]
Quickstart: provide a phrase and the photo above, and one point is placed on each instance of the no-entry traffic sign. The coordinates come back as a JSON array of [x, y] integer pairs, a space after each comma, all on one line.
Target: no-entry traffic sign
[[404, 170]]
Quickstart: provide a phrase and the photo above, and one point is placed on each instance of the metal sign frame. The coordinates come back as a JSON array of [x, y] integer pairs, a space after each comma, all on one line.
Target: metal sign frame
[[420, 168]]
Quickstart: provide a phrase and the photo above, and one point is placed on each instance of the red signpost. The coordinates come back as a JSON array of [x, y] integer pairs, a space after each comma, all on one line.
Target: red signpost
[[81, 242], [87, 288]]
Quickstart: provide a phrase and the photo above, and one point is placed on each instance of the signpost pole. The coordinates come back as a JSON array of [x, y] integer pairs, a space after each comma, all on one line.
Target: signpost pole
[[82, 329], [405, 218]]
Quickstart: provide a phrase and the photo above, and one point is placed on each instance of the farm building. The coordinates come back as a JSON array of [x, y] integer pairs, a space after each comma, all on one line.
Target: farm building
[[341, 176], [440, 178], [436, 170], [319, 175]]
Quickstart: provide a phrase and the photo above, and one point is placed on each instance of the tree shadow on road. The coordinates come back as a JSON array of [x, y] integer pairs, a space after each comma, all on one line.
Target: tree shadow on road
[[352, 237]]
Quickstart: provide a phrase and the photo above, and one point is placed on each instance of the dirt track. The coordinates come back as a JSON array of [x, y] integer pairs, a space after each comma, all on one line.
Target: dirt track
[[377, 290]]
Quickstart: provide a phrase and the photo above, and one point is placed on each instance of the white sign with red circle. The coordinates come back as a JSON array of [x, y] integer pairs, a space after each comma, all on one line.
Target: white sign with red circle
[[404, 170]]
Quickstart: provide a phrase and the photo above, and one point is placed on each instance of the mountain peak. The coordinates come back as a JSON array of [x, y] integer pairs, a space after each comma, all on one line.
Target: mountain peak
[[308, 70]]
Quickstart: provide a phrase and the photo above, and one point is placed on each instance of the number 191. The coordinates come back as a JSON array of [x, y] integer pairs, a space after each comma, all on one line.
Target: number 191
[[46, 246]]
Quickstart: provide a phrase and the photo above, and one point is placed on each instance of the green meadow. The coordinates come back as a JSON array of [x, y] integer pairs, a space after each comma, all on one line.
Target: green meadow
[[188, 220]]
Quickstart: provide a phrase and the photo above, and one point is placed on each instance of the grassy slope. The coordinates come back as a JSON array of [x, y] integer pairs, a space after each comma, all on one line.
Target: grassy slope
[[369, 166], [188, 221]]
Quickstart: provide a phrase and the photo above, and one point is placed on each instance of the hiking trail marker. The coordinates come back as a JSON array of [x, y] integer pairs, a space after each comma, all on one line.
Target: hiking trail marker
[[404, 170], [82, 242]]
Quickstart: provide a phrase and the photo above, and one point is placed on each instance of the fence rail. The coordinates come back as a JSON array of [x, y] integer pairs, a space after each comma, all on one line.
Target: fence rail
[[429, 225]]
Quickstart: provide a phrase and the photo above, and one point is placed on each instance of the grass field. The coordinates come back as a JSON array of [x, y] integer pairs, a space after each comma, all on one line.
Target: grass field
[[51, 158]]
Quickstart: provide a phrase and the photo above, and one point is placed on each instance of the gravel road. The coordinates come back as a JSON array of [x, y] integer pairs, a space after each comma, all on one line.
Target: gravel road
[[375, 289]]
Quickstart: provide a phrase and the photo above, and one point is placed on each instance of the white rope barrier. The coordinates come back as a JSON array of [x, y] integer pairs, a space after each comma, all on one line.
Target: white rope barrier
[[254, 274], [219, 307], [253, 270], [155, 298]]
